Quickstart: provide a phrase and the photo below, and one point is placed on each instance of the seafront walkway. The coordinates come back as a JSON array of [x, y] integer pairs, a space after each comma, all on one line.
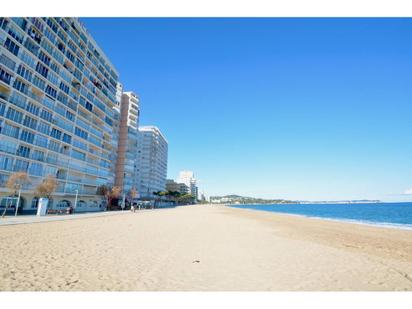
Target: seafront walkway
[[24, 219]]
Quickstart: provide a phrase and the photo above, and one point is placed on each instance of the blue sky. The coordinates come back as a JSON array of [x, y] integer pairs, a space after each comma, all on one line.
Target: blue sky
[[311, 109]]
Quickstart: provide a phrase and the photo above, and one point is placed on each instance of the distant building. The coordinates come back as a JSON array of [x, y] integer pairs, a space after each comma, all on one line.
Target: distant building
[[173, 186], [188, 178], [152, 161]]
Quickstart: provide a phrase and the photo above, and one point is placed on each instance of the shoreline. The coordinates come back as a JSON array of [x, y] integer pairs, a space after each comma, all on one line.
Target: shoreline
[[389, 225]]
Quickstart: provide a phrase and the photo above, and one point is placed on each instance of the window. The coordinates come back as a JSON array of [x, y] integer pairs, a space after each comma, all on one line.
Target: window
[[27, 59], [21, 86], [54, 146], [53, 78], [89, 106], [31, 108], [64, 87], [43, 57], [5, 76], [31, 46], [11, 131], [37, 155], [16, 34], [2, 108], [23, 72], [7, 62], [12, 47], [67, 138], [38, 82], [23, 151], [78, 155], [21, 166], [42, 69], [52, 24], [8, 146], [27, 136], [30, 122], [81, 133], [6, 162], [21, 22], [44, 128], [14, 115], [55, 67], [46, 115], [51, 91], [36, 169], [56, 133], [70, 116], [41, 141]]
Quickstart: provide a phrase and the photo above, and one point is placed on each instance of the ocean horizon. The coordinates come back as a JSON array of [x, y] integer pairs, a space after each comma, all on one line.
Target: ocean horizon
[[384, 214]]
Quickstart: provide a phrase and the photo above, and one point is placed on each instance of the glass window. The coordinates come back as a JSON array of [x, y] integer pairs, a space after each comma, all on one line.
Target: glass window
[[41, 141], [30, 122], [11, 131], [21, 86], [27, 136], [5, 76], [6, 162], [42, 69], [11, 46], [21, 166], [23, 151], [46, 115], [32, 108], [14, 115], [36, 169], [38, 82], [56, 133], [44, 128], [23, 72], [37, 155]]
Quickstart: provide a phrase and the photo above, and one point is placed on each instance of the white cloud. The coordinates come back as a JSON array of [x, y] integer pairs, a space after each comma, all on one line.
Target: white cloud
[[408, 192]]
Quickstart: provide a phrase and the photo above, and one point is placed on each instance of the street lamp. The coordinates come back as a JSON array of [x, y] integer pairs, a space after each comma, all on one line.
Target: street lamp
[[75, 199], [18, 200]]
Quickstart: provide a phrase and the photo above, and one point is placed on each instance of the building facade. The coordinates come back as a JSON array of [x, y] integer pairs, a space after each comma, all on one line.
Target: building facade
[[173, 186], [57, 116], [152, 162], [127, 153]]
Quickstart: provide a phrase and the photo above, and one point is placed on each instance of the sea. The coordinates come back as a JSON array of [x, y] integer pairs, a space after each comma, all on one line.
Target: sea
[[393, 215]]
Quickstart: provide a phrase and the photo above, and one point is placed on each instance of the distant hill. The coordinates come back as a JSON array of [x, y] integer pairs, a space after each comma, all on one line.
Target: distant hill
[[237, 199]]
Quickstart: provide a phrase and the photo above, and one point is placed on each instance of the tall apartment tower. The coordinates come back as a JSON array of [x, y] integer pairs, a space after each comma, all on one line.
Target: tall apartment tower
[[57, 99], [152, 161], [127, 152]]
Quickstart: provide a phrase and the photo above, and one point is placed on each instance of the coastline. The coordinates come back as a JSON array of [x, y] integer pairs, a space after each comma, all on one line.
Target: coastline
[[204, 248], [389, 225]]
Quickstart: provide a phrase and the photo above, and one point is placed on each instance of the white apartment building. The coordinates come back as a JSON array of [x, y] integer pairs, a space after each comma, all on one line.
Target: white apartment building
[[57, 99], [152, 161]]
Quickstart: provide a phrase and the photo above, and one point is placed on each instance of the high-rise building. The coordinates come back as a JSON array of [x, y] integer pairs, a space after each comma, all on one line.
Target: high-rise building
[[57, 99], [188, 178], [127, 152], [152, 161]]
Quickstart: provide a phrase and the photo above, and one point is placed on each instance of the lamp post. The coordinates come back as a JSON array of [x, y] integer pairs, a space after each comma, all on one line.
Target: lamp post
[[18, 201], [75, 199]]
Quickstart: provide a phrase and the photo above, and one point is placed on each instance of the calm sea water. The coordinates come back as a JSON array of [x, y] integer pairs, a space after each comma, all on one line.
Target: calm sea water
[[386, 214]]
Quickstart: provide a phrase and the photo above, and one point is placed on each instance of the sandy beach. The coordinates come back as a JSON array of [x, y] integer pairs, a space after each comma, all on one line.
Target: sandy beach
[[203, 248]]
